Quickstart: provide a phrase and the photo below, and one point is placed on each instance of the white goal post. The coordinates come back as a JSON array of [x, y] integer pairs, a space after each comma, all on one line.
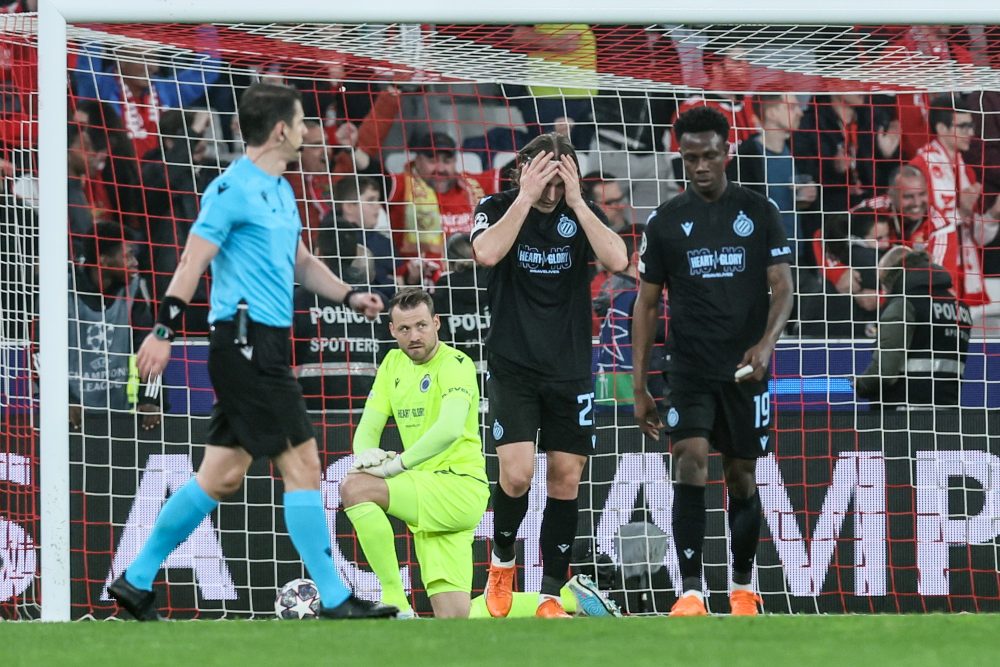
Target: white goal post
[[53, 16]]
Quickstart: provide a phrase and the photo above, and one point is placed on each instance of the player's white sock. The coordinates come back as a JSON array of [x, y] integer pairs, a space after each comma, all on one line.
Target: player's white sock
[[697, 594], [542, 597], [741, 587], [496, 562]]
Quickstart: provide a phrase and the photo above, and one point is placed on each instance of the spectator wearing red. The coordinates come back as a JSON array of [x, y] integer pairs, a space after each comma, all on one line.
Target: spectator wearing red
[[901, 216], [913, 109], [139, 91], [327, 157], [956, 244], [840, 147], [429, 201], [18, 81], [725, 72]]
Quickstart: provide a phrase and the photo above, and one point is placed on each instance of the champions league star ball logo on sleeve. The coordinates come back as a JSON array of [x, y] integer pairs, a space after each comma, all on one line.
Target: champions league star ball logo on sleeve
[[743, 225], [566, 227]]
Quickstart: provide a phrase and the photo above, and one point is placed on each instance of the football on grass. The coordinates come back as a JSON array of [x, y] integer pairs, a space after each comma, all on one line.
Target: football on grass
[[297, 599]]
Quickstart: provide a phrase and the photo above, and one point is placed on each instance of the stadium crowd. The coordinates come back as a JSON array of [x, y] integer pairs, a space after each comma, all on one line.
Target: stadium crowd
[[390, 175]]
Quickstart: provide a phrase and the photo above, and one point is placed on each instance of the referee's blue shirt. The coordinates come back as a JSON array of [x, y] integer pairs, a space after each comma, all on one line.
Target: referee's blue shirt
[[253, 218]]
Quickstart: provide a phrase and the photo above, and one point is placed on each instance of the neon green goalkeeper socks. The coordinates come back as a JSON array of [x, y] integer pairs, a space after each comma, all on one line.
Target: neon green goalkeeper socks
[[379, 544]]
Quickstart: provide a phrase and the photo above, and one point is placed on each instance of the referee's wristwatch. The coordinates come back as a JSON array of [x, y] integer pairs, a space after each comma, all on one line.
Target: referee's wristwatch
[[163, 332]]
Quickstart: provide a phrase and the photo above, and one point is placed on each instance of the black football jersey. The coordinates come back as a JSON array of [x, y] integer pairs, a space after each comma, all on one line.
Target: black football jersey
[[539, 294], [713, 259]]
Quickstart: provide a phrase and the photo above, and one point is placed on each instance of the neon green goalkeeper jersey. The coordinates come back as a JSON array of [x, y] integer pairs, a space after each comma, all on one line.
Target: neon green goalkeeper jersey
[[412, 394]]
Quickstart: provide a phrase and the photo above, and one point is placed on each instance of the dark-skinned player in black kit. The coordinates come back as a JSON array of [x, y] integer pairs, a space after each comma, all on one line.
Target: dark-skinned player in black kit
[[721, 252]]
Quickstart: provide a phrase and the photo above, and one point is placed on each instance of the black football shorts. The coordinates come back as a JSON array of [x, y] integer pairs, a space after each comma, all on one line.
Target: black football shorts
[[734, 417], [524, 404], [258, 402]]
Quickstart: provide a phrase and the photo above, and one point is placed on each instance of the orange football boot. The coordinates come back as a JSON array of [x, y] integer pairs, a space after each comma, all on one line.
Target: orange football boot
[[551, 608], [688, 605], [500, 591], [744, 603]]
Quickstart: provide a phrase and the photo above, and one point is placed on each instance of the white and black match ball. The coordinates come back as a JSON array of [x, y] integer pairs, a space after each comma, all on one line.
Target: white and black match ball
[[297, 599]]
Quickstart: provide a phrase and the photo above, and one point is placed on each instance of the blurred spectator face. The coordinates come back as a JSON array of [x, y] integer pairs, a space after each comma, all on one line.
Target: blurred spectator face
[[852, 100], [785, 114], [136, 75], [415, 331], [83, 161], [882, 241], [314, 156], [115, 265], [438, 170], [294, 135], [364, 213], [909, 196], [704, 155], [958, 137], [335, 71], [609, 197]]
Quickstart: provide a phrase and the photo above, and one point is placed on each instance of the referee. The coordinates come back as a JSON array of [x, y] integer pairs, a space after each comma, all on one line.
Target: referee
[[438, 484], [718, 248], [249, 230], [538, 241]]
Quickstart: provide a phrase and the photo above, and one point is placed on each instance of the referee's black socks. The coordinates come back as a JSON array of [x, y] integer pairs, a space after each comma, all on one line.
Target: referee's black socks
[[557, 535], [508, 513], [688, 522], [744, 533]]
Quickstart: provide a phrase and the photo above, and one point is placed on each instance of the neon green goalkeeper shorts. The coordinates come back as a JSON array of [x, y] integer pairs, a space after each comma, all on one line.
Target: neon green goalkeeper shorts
[[442, 510]]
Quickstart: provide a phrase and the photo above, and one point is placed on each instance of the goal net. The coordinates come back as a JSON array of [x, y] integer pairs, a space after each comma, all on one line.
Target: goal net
[[865, 510]]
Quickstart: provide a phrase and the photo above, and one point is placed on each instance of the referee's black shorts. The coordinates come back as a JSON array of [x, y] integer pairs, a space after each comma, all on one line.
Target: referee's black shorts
[[258, 402], [525, 406], [734, 417]]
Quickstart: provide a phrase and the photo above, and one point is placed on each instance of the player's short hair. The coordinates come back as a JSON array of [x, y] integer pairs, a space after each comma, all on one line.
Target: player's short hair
[[262, 106], [349, 189], [550, 142], [409, 298], [701, 119]]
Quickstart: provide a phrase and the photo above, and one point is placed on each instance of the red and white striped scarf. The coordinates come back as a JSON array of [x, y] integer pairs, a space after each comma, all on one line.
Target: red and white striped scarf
[[950, 244], [142, 119]]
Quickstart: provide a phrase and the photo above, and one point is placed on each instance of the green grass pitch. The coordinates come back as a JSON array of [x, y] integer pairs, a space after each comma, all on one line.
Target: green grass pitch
[[800, 641]]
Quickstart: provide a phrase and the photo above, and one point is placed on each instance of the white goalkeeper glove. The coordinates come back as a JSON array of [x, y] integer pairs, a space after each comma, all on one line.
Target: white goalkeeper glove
[[378, 463], [388, 468], [371, 457]]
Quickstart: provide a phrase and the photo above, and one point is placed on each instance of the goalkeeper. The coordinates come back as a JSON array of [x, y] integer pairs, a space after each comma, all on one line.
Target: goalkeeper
[[438, 485]]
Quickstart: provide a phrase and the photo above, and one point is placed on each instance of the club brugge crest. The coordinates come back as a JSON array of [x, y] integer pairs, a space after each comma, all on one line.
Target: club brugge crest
[[566, 227], [743, 225], [497, 429], [673, 417], [425, 383]]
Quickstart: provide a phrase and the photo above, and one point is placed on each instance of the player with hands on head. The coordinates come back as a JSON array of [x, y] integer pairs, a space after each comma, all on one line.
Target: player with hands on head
[[250, 232], [537, 241], [721, 252], [438, 485]]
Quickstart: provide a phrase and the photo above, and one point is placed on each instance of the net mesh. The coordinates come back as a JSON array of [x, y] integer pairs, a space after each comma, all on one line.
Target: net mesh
[[864, 511]]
